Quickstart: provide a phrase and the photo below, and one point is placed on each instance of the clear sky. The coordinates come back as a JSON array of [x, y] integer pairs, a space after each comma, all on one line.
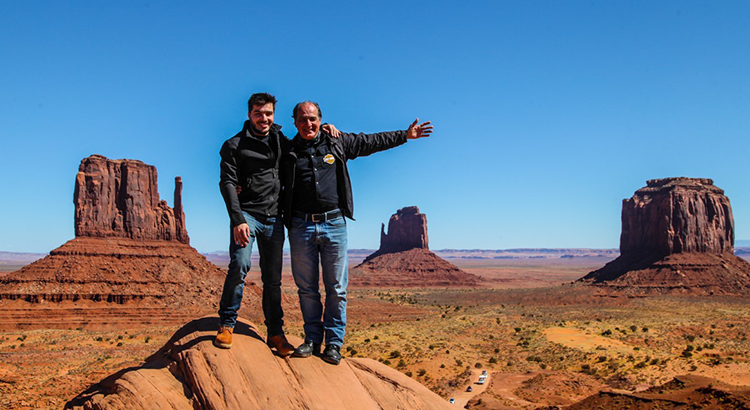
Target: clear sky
[[547, 113]]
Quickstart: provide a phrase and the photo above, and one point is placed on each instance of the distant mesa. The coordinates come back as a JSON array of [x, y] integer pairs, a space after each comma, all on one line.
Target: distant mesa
[[190, 373], [130, 249], [404, 258], [677, 237]]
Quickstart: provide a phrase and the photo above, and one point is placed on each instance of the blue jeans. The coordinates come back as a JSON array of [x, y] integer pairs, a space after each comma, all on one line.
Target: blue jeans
[[270, 238], [325, 243]]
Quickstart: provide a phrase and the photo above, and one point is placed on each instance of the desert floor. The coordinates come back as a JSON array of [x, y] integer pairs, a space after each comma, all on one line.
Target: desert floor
[[543, 340]]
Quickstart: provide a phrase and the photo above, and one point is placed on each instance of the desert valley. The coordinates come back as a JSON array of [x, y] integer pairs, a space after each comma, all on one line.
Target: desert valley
[[122, 316]]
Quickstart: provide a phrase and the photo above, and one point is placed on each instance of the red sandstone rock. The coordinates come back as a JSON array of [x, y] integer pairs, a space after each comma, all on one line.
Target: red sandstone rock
[[190, 373], [405, 260], [131, 256], [677, 236], [407, 229], [120, 198]]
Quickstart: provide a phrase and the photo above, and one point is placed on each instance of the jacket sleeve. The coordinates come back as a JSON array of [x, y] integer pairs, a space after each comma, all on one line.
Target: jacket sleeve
[[361, 145], [228, 183]]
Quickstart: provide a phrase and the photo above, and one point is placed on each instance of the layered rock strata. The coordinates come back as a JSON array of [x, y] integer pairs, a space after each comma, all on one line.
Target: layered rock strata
[[131, 254], [190, 373], [677, 236], [404, 259]]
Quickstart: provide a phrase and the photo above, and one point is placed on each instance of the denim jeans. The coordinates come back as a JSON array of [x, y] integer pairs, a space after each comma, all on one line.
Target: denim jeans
[[325, 243], [270, 238]]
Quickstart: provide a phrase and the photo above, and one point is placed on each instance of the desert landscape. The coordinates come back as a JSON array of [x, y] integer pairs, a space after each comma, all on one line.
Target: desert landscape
[[123, 317]]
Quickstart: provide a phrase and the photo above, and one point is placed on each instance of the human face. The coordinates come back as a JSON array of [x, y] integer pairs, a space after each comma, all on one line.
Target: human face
[[261, 116], [307, 121]]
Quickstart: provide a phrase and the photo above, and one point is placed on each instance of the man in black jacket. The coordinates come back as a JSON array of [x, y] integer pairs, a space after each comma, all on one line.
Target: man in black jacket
[[317, 195], [250, 186]]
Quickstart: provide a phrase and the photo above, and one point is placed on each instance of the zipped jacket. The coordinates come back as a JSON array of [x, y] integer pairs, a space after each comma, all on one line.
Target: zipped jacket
[[253, 165], [347, 146]]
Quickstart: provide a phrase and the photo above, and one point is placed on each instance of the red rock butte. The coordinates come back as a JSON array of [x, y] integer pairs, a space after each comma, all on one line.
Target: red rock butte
[[404, 258], [130, 259], [677, 237]]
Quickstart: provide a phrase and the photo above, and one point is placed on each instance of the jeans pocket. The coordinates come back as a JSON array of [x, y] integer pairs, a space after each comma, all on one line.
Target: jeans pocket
[[340, 221]]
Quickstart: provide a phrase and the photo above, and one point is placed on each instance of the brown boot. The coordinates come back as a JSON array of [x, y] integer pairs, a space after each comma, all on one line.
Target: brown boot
[[224, 337], [283, 348]]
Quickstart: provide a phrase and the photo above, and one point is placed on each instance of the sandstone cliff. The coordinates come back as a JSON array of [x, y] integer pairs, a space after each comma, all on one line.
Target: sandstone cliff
[[120, 198], [190, 373], [677, 236], [404, 259]]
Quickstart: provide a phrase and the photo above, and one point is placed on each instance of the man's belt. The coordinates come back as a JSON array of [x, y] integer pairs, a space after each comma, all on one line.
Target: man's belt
[[325, 216]]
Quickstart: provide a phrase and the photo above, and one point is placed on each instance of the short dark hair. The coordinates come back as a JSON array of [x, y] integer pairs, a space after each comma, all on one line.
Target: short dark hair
[[260, 99], [296, 108]]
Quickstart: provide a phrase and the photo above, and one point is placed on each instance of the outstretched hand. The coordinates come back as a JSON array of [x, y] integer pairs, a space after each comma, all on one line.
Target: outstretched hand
[[417, 130]]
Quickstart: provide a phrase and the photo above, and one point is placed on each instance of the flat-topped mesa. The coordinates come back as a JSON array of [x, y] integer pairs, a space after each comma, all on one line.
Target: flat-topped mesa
[[120, 198], [676, 215], [407, 229], [677, 237]]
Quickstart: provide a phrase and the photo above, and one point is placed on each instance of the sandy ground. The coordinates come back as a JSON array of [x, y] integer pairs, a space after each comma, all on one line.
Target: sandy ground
[[522, 324]]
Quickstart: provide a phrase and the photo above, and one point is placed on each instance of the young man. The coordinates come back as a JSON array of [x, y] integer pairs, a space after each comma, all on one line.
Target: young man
[[250, 187], [317, 195]]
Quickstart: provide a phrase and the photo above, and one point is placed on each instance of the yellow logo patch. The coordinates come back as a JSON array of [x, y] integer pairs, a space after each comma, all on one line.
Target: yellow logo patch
[[328, 159]]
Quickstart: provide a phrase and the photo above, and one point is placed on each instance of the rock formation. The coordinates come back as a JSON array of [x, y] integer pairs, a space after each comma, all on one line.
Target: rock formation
[[190, 373], [677, 236], [407, 229], [405, 260], [120, 198], [130, 256]]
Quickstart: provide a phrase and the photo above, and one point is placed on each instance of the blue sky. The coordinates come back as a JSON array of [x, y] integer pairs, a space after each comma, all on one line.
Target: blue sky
[[547, 114]]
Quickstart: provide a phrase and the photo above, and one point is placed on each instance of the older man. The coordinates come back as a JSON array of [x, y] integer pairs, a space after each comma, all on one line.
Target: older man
[[316, 198]]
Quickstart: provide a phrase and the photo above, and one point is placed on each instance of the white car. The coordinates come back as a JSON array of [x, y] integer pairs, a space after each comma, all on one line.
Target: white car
[[452, 401]]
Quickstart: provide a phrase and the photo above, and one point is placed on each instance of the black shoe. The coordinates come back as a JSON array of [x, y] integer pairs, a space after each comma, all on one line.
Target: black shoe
[[331, 354], [307, 349]]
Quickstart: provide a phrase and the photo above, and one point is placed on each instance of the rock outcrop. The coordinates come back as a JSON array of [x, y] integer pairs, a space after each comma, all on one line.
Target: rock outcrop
[[404, 259], [677, 236], [120, 198], [190, 373], [130, 259], [407, 229]]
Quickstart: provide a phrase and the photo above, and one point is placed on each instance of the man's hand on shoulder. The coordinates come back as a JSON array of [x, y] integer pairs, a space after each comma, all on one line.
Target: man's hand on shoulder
[[241, 234], [417, 130], [331, 130]]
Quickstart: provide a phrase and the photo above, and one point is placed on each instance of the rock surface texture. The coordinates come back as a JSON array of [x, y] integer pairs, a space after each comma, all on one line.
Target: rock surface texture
[[190, 373], [677, 237], [120, 198], [129, 263], [405, 260]]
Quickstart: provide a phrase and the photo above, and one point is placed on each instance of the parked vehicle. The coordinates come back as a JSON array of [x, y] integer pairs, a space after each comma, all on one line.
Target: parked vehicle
[[469, 388], [484, 372], [452, 401]]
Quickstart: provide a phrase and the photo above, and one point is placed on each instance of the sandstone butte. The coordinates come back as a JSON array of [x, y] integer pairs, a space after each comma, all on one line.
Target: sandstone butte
[[404, 258], [677, 237], [130, 258], [190, 373]]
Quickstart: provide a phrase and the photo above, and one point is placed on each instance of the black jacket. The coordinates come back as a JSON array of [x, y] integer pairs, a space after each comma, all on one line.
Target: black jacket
[[254, 166], [344, 148]]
